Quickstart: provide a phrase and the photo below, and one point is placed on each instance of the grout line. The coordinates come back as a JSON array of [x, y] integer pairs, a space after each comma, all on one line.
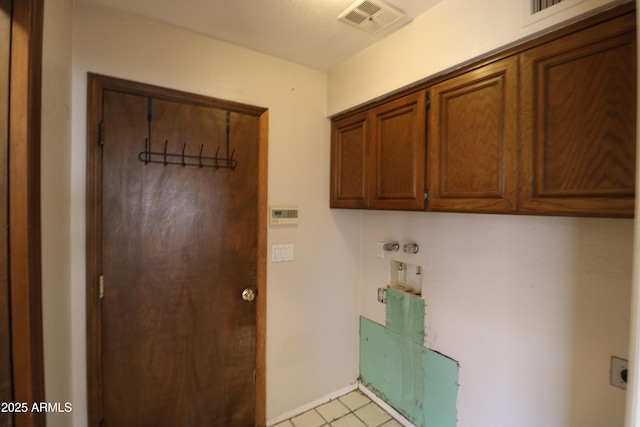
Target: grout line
[[305, 408], [395, 415], [384, 405]]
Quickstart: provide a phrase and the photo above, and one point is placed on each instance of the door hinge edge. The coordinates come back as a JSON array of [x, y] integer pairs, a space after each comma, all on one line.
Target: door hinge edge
[[101, 286]]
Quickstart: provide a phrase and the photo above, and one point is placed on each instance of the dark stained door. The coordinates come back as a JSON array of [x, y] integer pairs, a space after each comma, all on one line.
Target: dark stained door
[[179, 247]]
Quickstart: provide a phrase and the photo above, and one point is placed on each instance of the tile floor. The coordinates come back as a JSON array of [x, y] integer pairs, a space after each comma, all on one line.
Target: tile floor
[[354, 409]]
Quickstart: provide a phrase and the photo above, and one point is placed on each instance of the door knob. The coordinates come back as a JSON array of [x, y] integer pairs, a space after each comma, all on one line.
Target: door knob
[[248, 294]]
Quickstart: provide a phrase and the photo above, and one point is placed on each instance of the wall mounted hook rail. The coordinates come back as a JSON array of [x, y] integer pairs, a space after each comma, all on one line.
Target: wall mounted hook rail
[[183, 159]]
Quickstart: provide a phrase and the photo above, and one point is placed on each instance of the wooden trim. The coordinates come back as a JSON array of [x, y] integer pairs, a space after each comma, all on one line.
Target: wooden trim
[[6, 375], [97, 84], [623, 9], [94, 253], [24, 207], [261, 309], [143, 89]]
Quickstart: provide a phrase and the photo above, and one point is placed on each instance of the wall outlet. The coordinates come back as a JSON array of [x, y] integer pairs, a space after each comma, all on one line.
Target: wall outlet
[[619, 372]]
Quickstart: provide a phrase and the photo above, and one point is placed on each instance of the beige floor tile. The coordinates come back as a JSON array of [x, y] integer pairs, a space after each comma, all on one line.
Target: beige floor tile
[[332, 410], [308, 419], [355, 400], [353, 409], [372, 415], [348, 421]]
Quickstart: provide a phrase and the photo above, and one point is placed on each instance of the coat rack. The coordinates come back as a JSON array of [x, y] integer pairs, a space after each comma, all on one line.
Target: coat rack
[[182, 159]]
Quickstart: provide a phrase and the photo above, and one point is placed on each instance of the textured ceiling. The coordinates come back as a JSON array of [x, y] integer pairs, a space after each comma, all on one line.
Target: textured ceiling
[[302, 31]]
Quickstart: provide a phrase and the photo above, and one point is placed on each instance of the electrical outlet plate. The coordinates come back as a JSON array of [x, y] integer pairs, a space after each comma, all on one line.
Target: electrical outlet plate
[[382, 295], [618, 366]]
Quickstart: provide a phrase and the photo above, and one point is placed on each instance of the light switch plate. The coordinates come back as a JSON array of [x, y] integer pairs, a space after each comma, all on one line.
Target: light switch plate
[[281, 253]]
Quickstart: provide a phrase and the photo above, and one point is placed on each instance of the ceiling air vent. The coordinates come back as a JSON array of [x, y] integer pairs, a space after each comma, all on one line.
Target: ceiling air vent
[[371, 15], [539, 5]]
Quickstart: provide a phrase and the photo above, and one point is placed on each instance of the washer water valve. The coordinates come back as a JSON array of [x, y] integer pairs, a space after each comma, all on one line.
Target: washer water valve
[[411, 248], [391, 246]]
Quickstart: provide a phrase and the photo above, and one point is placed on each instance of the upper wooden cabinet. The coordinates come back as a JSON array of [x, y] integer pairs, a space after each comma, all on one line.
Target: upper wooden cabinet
[[473, 135], [349, 162], [397, 153], [578, 122], [548, 127], [377, 156]]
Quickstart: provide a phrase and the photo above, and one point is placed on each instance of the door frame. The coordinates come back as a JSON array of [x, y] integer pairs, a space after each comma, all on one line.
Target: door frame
[[23, 174], [96, 85]]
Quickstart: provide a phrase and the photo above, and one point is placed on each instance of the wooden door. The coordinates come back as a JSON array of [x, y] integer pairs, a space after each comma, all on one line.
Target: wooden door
[[473, 139], [578, 122], [179, 346], [349, 162], [398, 153]]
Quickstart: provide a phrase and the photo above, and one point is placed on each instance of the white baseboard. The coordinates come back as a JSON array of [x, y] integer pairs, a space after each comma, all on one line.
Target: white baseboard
[[302, 409], [309, 406]]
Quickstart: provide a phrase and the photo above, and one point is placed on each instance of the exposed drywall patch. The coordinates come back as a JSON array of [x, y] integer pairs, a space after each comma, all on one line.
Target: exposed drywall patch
[[405, 315], [419, 383]]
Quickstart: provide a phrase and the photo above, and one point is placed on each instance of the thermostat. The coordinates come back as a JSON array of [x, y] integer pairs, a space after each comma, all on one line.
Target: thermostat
[[283, 215]]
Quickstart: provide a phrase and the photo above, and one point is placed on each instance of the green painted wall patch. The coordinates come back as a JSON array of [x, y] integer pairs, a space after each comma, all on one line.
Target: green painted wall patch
[[419, 383], [405, 315]]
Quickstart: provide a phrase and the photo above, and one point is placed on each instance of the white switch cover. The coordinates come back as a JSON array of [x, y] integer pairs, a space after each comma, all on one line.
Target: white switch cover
[[281, 253]]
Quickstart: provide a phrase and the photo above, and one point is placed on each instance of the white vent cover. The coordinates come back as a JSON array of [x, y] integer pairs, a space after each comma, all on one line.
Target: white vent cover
[[539, 5], [371, 15]]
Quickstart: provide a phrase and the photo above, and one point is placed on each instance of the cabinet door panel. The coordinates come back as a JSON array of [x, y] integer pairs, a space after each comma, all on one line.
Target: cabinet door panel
[[349, 162], [397, 153], [473, 139], [578, 123]]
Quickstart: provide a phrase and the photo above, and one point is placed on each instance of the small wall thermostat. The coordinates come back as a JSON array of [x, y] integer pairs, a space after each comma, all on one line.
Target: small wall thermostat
[[283, 215]]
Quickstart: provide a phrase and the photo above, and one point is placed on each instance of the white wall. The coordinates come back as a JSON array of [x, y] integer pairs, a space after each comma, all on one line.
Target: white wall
[[451, 34], [312, 327], [633, 396], [558, 287], [531, 307], [55, 187]]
